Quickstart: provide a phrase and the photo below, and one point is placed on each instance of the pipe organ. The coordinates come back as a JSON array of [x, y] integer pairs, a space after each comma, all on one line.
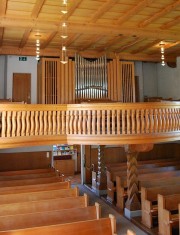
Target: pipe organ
[[91, 78], [83, 80]]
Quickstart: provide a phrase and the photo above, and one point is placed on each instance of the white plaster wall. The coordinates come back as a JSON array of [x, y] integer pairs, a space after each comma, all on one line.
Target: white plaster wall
[[150, 79], [169, 81], [16, 66], [139, 72], [2, 76]]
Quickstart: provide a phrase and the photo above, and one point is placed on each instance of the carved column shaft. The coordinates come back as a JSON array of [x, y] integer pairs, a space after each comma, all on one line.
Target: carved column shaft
[[133, 201], [101, 175]]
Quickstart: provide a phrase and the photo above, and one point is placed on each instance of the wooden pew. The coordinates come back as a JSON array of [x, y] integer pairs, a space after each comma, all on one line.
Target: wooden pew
[[25, 172], [45, 218], [168, 216], [44, 205], [111, 178], [35, 187], [22, 182], [41, 195], [149, 201], [28, 176], [121, 183], [102, 226]]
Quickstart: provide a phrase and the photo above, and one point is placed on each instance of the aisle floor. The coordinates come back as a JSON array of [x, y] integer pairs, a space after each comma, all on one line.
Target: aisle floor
[[123, 224]]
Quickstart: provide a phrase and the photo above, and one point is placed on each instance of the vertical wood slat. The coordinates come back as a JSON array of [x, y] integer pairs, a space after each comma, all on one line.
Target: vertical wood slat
[[8, 123], [4, 125], [67, 121], [19, 123], [89, 122], [27, 123], [36, 122], [58, 122], [84, 122], [75, 122], [63, 122], [142, 121], [14, 125], [138, 121], [71, 122], [103, 122], [23, 120]]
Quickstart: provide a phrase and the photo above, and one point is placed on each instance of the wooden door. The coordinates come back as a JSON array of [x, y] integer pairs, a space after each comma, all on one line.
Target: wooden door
[[21, 87]]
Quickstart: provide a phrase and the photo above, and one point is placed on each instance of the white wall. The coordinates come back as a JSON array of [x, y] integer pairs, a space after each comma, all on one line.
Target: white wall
[[169, 81], [2, 75], [16, 66]]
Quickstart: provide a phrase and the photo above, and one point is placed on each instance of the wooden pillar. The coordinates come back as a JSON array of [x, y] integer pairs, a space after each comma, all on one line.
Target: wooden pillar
[[101, 184], [133, 201]]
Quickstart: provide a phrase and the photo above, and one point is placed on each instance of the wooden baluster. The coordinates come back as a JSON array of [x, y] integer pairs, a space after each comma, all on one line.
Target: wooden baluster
[[98, 122], [94, 122], [32, 123], [147, 120], [118, 121], [23, 121], [166, 119], [113, 121], [28, 124], [89, 122], [75, 121], [142, 121], [49, 122], [151, 121], [58, 122], [54, 122], [14, 125], [137, 121], [128, 122], [108, 122], [103, 122], [170, 119], [176, 120], [80, 122], [4, 124], [18, 123], [45, 123], [133, 121], [41, 123], [123, 122], [9, 124], [63, 122], [155, 120], [67, 122], [37, 122], [84, 122], [163, 120], [71, 122]]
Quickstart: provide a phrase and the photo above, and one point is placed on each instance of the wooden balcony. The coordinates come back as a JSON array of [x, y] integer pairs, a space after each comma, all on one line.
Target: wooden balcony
[[98, 123]]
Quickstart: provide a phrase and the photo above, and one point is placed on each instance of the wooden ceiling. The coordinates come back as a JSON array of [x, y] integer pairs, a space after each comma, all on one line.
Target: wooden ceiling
[[130, 29]]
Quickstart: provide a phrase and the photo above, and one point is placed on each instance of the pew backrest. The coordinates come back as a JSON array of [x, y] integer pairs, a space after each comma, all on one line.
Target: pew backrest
[[41, 195], [44, 205], [102, 226], [24, 172]]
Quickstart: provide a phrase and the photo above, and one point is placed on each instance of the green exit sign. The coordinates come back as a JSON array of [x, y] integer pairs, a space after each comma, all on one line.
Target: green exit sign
[[22, 58]]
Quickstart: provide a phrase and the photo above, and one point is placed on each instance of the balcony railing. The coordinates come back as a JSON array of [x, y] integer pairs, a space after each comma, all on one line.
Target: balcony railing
[[110, 123]]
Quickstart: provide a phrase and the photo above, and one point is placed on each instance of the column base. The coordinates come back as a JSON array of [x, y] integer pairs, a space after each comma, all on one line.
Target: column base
[[130, 214]]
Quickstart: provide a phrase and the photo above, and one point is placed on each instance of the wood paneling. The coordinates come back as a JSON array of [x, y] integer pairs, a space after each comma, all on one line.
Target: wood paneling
[[24, 160]]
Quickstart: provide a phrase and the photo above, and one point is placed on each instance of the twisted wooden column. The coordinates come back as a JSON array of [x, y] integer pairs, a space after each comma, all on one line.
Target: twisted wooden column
[[132, 151], [133, 201], [101, 174]]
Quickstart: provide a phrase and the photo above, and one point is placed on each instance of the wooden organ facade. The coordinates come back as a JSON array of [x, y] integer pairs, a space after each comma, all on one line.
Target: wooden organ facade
[[85, 80]]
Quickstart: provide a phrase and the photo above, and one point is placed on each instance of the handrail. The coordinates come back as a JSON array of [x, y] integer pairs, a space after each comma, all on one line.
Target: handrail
[[105, 123]]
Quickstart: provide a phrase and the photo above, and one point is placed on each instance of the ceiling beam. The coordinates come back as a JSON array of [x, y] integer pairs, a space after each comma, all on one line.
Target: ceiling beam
[[49, 39], [111, 42], [72, 9], [132, 11], [3, 7], [92, 41], [171, 23], [147, 46], [37, 8], [89, 28], [135, 41], [25, 38], [154, 17], [72, 39], [29, 51], [104, 8]]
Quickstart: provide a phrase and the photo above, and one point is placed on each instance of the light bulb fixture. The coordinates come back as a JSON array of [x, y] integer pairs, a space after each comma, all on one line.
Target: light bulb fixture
[[162, 44], [64, 34], [37, 49]]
